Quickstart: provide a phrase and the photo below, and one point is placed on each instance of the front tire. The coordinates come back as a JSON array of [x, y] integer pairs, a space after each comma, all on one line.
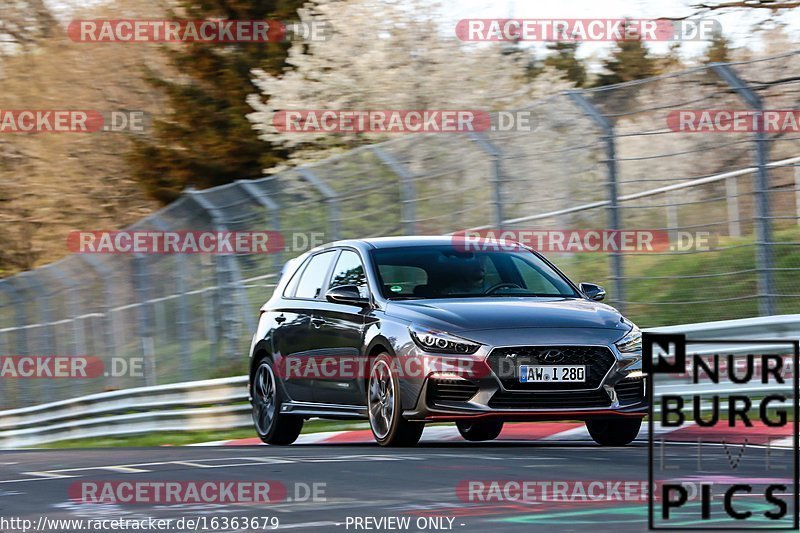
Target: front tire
[[385, 411], [272, 426], [480, 430], [619, 432]]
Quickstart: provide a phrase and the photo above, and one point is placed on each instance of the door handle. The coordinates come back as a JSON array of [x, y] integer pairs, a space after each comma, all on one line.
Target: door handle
[[317, 322], [280, 319]]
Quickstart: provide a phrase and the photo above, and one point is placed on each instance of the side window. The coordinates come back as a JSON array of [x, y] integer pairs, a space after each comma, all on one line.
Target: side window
[[288, 292], [313, 277], [350, 271]]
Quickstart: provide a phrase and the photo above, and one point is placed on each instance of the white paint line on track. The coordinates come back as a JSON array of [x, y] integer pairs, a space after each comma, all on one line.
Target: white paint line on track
[[48, 475], [212, 443], [124, 469]]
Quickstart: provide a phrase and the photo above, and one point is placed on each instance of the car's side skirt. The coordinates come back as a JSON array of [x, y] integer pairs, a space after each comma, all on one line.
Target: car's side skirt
[[324, 410]]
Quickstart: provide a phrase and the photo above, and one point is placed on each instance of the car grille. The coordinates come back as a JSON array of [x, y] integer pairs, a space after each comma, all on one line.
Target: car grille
[[505, 363], [630, 391], [550, 399], [451, 390]]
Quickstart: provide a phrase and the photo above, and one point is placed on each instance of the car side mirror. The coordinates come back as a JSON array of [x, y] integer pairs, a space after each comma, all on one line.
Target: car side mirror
[[346, 294], [593, 292]]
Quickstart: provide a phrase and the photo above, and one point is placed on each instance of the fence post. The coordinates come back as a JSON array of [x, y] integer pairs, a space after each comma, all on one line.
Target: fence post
[[230, 286], [766, 293], [672, 216], [272, 208], [407, 190], [613, 196], [109, 337], [44, 315], [797, 191], [184, 337], [732, 194], [21, 342], [144, 317], [496, 179], [331, 200]]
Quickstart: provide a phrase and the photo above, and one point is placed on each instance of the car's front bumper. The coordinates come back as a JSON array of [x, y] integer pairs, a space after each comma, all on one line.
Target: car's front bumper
[[430, 408], [618, 388]]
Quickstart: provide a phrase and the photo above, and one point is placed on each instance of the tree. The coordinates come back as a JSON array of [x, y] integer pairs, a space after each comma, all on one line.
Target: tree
[[671, 61], [25, 23], [205, 139], [54, 183], [630, 60], [718, 51], [563, 57], [386, 56], [772, 5]]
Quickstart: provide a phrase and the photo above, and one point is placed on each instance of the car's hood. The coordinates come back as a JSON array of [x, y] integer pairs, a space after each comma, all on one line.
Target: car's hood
[[509, 313]]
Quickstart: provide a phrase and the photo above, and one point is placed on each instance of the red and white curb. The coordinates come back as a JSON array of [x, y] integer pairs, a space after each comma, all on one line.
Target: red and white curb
[[780, 437]]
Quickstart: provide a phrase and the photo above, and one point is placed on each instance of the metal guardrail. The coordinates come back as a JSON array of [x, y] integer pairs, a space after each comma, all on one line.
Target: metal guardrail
[[222, 403]]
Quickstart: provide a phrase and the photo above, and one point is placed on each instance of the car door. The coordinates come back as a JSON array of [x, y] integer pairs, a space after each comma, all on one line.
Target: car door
[[294, 338], [340, 329]]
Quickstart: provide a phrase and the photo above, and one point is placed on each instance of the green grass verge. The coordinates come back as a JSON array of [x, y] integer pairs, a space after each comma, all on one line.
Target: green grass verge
[[666, 290]]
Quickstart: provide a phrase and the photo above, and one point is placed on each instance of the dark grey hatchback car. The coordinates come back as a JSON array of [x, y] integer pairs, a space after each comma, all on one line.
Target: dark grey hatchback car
[[407, 330]]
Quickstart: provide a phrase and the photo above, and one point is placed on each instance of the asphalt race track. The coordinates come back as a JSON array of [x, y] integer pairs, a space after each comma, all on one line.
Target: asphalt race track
[[359, 481]]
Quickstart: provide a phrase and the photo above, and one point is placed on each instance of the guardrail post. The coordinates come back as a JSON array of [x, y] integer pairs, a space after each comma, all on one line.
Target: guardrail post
[[407, 189], [331, 199], [613, 195], [496, 178], [766, 293]]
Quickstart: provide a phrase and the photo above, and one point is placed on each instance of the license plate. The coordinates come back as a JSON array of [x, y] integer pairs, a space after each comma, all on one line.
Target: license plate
[[552, 373]]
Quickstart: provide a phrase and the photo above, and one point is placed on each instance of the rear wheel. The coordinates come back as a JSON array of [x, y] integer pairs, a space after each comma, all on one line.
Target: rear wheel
[[614, 432], [385, 411], [272, 426], [480, 430]]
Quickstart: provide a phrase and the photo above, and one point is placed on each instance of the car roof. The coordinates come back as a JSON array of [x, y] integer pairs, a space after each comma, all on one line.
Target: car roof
[[398, 242]]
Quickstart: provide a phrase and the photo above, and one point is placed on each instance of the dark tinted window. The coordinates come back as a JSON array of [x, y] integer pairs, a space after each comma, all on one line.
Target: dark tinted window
[[450, 272], [313, 277], [350, 271]]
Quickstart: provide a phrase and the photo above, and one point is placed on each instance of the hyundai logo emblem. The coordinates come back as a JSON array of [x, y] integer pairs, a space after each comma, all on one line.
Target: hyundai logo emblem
[[551, 356]]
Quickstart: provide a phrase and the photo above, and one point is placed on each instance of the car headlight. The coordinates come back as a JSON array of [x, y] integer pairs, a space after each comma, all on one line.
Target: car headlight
[[631, 343], [432, 340]]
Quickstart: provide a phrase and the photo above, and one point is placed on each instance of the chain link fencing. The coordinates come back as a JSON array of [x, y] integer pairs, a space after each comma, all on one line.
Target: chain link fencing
[[598, 158]]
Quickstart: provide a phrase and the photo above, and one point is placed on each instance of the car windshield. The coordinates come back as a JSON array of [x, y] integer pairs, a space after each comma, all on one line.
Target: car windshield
[[447, 272]]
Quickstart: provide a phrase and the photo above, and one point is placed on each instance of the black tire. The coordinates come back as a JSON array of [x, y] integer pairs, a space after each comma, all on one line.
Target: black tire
[[619, 432], [272, 427], [480, 430], [385, 410]]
